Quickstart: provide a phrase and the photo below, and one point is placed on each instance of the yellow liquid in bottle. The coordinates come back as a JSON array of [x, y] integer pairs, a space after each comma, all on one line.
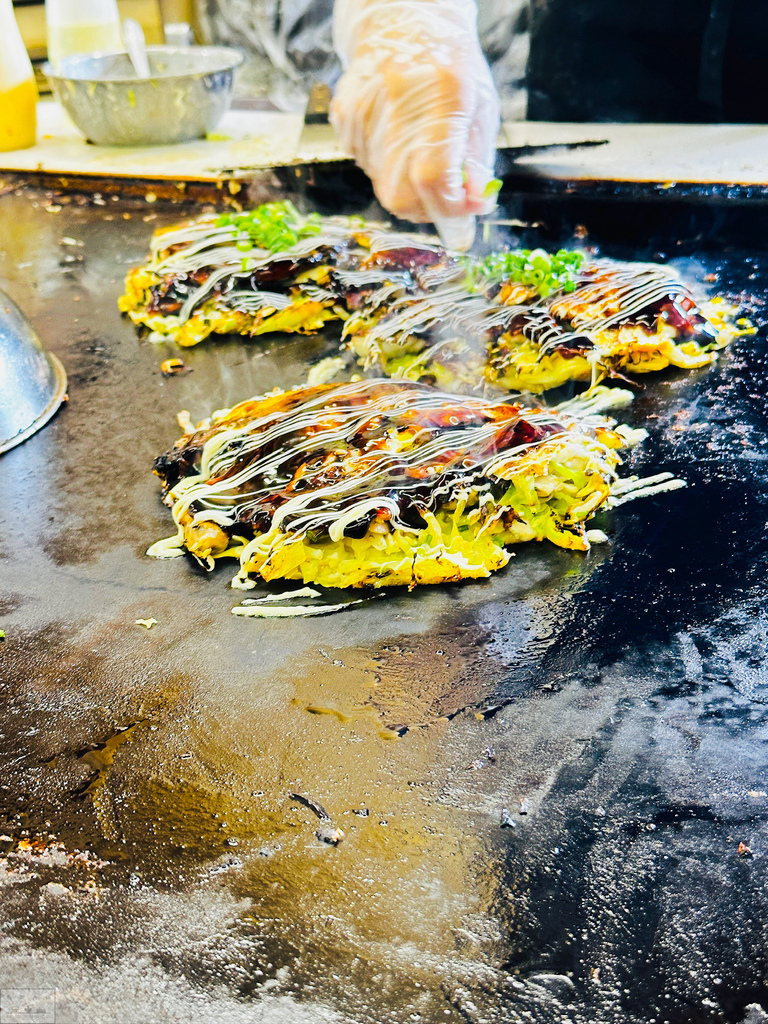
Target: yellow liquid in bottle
[[18, 120], [83, 37]]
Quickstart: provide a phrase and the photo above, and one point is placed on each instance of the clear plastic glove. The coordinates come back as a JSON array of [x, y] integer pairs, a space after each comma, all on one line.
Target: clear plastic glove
[[418, 110]]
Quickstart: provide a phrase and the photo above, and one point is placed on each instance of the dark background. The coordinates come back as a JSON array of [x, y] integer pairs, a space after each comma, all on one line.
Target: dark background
[[656, 61]]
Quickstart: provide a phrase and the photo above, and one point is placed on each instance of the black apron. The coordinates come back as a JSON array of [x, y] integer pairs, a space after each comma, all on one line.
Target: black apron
[[656, 60]]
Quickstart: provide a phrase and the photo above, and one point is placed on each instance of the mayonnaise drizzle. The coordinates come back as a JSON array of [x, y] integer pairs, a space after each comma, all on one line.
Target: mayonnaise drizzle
[[204, 246], [243, 467], [607, 295]]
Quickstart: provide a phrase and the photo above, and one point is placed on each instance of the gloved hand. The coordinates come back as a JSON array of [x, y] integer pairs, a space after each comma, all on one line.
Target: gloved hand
[[417, 108]]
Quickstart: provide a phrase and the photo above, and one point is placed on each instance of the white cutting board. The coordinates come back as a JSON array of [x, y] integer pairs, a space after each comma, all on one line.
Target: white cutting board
[[734, 154]]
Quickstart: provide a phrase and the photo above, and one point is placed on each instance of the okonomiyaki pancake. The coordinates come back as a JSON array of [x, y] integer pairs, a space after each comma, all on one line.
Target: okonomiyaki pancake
[[380, 482], [530, 321], [610, 319], [239, 274]]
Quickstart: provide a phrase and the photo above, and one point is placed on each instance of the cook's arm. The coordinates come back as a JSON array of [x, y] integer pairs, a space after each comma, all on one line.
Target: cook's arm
[[417, 108]]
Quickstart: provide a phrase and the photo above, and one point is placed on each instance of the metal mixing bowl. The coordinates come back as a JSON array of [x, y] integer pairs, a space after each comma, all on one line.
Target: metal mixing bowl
[[189, 92], [32, 381]]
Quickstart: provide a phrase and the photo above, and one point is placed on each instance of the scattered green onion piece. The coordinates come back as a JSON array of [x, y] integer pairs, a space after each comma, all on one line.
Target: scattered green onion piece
[[492, 189]]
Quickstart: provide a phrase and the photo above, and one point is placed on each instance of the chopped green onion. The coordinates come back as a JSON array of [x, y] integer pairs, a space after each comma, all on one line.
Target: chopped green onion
[[546, 272], [492, 189], [272, 226]]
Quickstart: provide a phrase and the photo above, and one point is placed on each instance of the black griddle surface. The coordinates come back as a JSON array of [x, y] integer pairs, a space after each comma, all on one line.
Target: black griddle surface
[[622, 694]]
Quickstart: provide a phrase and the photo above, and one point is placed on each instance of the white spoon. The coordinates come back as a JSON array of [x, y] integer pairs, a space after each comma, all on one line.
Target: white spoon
[[133, 38]]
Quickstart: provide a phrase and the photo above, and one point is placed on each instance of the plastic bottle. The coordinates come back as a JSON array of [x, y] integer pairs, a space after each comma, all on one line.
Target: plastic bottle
[[82, 26], [18, 92]]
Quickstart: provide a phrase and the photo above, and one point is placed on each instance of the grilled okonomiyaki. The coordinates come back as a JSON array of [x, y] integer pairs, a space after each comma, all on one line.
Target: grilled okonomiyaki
[[381, 482], [522, 320], [270, 270], [530, 321]]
